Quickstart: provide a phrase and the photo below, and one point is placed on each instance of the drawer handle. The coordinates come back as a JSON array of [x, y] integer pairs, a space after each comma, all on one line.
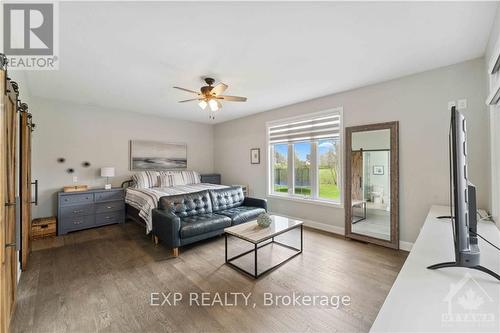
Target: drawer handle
[[109, 217], [77, 222], [109, 207], [77, 211], [44, 226]]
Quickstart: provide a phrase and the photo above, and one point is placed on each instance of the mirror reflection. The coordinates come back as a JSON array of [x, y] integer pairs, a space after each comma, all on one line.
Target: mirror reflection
[[370, 180]]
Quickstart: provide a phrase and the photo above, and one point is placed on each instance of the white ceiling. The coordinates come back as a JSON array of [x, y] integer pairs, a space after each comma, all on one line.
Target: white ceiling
[[127, 56]]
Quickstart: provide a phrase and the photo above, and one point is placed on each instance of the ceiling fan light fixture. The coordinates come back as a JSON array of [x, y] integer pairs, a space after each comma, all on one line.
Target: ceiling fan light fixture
[[203, 104], [214, 105]]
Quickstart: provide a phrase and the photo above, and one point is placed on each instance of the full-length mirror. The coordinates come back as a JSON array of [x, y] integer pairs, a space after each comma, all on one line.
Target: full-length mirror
[[372, 183]]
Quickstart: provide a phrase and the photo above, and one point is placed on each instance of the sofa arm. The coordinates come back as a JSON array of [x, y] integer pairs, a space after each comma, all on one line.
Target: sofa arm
[[254, 202], [166, 227]]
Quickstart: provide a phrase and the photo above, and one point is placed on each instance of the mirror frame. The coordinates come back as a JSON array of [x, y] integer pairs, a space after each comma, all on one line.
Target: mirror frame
[[394, 143]]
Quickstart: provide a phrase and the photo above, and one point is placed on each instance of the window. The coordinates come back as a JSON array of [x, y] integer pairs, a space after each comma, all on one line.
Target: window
[[302, 168], [328, 169], [306, 157], [280, 168]]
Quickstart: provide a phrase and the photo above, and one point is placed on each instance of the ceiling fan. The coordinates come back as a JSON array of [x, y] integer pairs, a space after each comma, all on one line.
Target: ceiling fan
[[211, 96]]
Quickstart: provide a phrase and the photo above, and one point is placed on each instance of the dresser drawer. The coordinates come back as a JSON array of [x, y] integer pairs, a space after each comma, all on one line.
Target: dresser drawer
[[109, 218], [76, 223], [73, 199], [108, 195], [111, 206], [77, 210]]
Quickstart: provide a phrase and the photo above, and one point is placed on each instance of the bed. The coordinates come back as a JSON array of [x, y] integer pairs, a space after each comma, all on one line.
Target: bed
[[140, 202]]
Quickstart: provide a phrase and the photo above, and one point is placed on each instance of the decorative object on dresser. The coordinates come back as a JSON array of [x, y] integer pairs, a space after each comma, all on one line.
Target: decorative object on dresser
[[107, 172], [43, 227], [255, 156], [75, 188], [211, 178], [89, 209], [152, 155]]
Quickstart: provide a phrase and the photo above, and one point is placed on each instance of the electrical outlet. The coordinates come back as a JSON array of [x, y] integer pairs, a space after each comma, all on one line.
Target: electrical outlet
[[75, 179], [462, 104], [451, 104]]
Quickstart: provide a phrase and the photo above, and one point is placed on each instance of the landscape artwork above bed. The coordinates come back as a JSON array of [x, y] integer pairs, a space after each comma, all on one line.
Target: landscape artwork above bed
[[153, 155]]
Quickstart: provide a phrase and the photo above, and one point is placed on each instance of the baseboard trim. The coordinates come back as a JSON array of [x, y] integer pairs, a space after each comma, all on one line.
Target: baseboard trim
[[316, 225], [405, 246], [325, 227]]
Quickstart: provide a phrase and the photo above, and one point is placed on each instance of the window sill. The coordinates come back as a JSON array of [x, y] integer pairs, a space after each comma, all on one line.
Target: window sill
[[305, 200]]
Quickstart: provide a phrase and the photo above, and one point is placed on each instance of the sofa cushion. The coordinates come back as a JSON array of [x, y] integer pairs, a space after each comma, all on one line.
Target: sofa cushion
[[242, 214], [203, 223], [187, 204], [226, 198]]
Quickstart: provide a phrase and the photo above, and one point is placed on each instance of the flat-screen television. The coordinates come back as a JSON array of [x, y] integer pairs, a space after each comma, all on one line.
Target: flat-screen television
[[463, 200]]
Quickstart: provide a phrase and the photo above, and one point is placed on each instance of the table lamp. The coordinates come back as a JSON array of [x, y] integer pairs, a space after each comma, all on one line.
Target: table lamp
[[107, 172]]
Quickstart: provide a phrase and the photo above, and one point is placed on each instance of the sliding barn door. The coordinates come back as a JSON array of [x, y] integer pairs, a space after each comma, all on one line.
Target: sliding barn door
[[8, 269], [357, 175], [25, 187]]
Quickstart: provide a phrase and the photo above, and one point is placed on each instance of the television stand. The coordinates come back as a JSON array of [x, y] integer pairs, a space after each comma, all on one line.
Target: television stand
[[455, 264]]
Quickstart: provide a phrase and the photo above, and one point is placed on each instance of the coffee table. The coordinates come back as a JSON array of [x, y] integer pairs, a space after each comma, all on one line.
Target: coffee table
[[260, 237]]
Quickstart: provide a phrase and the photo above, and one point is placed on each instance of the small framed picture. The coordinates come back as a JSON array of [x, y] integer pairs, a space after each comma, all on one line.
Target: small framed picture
[[255, 156], [378, 169]]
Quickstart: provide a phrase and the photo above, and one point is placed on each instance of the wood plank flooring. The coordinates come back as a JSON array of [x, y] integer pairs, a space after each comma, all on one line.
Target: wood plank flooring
[[102, 280]]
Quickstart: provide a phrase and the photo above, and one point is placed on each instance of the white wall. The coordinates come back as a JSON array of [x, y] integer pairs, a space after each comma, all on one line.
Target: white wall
[[418, 102], [494, 113], [101, 136]]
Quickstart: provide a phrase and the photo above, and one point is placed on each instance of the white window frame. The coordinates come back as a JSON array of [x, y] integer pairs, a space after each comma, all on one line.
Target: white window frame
[[314, 198]]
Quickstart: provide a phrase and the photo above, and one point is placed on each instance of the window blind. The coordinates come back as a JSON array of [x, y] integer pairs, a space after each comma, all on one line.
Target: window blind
[[326, 126]]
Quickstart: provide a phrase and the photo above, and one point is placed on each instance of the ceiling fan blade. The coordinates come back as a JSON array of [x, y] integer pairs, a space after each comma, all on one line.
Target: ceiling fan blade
[[189, 100], [188, 90], [233, 98], [218, 89]]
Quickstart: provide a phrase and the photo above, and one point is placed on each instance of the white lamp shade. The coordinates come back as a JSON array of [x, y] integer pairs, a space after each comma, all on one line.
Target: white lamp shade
[[108, 172]]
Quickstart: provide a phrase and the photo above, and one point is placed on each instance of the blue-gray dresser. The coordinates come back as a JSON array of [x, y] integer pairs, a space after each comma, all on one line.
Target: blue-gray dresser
[[89, 209]]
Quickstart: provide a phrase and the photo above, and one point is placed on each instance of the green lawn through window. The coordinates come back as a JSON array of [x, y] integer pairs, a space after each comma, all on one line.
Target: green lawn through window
[[327, 188]]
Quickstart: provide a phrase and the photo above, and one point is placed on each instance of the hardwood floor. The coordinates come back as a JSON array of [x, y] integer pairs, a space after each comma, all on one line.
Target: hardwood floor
[[102, 280]]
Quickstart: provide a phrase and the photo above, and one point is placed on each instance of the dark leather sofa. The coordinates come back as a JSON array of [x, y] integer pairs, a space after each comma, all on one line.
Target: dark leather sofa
[[184, 219]]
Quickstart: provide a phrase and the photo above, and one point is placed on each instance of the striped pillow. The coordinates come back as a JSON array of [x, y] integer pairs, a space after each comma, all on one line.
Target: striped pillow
[[191, 177], [171, 178], [146, 179]]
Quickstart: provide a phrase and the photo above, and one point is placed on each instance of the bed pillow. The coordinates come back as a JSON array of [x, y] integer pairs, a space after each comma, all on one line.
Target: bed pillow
[[191, 177], [171, 178], [146, 179]]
